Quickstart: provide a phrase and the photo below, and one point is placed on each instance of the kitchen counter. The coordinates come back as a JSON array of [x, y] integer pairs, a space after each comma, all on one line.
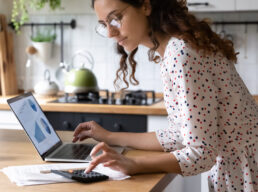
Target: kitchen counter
[[155, 109]]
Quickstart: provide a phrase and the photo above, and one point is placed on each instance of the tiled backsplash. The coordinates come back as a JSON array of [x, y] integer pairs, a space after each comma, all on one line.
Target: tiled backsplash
[[106, 59]]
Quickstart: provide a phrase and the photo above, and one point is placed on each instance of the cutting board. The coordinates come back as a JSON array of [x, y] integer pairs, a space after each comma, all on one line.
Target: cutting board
[[3, 58], [7, 64]]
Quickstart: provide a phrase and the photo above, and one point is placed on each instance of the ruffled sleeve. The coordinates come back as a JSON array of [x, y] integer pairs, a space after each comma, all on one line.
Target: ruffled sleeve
[[190, 97]]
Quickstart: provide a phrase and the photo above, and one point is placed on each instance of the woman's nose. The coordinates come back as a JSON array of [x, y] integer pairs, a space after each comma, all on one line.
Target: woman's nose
[[112, 31]]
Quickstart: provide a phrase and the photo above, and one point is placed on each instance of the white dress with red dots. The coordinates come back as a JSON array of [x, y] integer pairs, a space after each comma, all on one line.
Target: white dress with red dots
[[213, 119]]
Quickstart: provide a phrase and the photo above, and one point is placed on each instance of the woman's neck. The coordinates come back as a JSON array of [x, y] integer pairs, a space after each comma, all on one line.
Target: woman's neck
[[163, 41]]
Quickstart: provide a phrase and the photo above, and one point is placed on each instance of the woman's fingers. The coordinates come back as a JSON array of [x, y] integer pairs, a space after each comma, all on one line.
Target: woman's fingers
[[81, 136], [106, 155], [82, 131], [102, 158], [79, 128], [100, 146]]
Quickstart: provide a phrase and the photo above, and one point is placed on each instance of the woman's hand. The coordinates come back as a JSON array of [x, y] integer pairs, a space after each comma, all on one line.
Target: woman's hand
[[90, 130], [110, 158]]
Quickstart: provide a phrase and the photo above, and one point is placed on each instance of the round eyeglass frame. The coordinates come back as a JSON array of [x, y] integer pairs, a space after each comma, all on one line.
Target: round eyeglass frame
[[115, 23]]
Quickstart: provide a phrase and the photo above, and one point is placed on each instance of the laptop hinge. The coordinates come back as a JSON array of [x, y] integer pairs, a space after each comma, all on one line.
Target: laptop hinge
[[52, 149]]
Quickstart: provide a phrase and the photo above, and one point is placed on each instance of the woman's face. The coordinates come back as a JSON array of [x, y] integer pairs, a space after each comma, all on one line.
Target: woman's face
[[134, 24]]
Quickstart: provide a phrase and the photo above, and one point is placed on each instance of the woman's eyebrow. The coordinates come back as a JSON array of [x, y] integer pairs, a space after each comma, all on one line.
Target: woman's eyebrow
[[101, 21]]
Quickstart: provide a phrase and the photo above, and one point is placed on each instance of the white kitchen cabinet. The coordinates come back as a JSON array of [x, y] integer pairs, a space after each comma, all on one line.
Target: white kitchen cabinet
[[246, 5], [8, 120], [155, 122], [211, 5]]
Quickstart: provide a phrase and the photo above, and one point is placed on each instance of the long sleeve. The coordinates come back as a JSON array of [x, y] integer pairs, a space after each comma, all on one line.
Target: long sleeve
[[191, 100]]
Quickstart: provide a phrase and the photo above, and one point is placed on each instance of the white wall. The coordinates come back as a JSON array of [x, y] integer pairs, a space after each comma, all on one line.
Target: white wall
[[245, 38], [6, 7], [84, 37]]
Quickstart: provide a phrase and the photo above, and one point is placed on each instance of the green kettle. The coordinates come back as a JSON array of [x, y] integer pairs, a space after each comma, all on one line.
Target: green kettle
[[79, 79]]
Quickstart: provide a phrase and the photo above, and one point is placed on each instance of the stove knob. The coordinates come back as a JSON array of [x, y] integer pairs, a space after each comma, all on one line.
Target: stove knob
[[117, 127], [103, 100], [132, 101], [138, 102], [123, 101], [67, 125], [113, 101]]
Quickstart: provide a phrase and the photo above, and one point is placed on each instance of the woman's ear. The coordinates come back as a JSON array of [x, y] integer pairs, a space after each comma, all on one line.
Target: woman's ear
[[147, 7]]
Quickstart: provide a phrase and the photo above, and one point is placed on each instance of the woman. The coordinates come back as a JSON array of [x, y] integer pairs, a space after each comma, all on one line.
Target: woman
[[212, 117]]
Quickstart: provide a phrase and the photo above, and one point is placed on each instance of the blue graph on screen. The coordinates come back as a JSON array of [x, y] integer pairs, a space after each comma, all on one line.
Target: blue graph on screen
[[45, 125], [39, 135], [32, 105]]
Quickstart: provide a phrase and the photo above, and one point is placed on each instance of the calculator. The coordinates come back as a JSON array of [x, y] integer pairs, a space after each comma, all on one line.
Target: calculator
[[80, 176]]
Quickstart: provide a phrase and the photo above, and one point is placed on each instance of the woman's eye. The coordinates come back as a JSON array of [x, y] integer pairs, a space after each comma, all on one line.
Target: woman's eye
[[115, 23]]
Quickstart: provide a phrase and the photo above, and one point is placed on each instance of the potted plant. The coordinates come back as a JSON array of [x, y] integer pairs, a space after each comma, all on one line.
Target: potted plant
[[43, 40], [20, 12]]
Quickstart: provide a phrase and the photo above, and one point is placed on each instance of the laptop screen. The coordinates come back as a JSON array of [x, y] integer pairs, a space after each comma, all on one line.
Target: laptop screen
[[34, 122]]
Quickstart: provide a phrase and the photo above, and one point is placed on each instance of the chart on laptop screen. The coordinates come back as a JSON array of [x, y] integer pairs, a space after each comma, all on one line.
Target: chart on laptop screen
[[35, 123]]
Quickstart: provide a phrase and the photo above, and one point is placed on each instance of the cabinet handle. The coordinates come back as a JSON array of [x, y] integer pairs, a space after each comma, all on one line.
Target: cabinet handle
[[66, 125], [117, 127], [198, 4]]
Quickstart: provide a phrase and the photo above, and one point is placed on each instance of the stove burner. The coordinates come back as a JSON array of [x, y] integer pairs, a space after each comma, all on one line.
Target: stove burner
[[89, 96], [127, 97], [138, 97]]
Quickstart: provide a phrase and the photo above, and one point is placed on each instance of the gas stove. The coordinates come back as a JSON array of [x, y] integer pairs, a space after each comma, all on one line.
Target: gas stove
[[127, 97]]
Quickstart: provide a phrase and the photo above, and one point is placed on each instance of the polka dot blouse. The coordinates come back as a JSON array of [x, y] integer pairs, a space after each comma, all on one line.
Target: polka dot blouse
[[213, 119]]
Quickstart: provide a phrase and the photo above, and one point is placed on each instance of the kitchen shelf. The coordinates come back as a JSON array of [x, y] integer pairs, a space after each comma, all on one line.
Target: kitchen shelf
[[235, 23], [72, 24]]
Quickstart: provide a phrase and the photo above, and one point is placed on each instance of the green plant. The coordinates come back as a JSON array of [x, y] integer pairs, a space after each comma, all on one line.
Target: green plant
[[20, 10], [43, 36]]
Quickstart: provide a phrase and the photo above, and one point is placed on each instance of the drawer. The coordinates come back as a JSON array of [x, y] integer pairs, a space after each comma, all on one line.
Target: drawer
[[111, 122]]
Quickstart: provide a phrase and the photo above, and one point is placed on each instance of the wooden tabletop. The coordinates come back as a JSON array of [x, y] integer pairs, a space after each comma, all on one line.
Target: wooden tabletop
[[16, 149]]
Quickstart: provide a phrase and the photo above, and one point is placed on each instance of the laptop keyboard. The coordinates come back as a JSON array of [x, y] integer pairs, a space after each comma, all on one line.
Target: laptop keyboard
[[71, 151]]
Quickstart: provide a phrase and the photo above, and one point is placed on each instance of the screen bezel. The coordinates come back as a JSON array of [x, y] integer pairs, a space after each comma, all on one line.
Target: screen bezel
[[23, 96]]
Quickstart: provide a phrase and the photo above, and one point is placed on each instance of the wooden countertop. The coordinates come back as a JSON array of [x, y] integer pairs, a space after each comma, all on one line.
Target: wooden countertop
[[16, 149], [155, 109]]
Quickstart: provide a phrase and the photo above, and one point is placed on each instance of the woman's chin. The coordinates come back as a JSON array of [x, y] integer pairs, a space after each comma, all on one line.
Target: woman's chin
[[129, 48]]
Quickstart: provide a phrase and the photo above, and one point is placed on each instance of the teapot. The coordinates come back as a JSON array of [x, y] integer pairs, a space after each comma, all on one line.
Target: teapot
[[46, 87], [79, 79]]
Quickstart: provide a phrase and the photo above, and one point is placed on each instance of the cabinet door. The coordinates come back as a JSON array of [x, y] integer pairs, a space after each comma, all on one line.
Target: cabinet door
[[118, 122], [246, 5], [114, 122], [211, 5], [8, 120]]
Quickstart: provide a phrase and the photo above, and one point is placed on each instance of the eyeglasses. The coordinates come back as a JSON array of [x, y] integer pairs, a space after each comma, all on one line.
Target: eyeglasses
[[114, 20]]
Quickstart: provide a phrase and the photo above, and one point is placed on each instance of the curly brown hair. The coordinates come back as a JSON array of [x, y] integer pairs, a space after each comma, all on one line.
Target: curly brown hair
[[171, 17]]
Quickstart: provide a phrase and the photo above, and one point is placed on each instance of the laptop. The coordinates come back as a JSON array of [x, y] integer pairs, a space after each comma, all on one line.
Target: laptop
[[43, 135]]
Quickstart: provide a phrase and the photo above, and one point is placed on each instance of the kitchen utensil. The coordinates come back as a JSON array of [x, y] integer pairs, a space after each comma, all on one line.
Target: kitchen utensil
[[30, 51], [46, 87], [245, 42], [44, 51], [81, 79], [224, 35], [61, 72], [7, 64]]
